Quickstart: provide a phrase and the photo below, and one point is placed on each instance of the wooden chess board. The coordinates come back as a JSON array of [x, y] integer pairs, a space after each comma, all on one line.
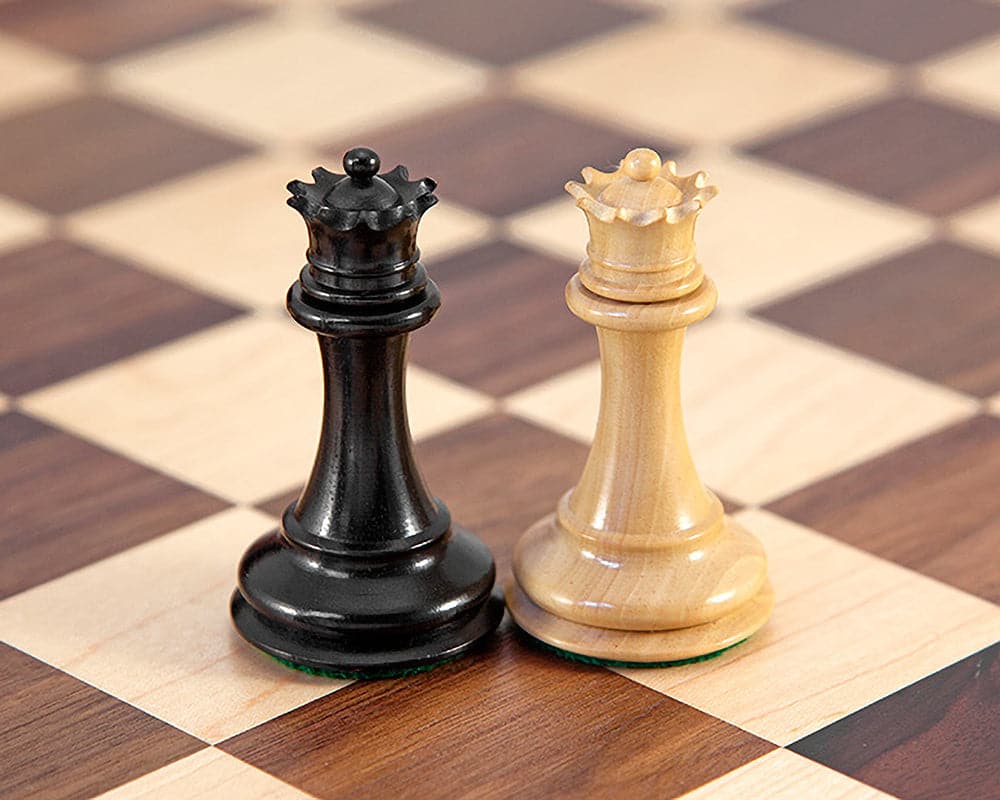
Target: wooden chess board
[[160, 409]]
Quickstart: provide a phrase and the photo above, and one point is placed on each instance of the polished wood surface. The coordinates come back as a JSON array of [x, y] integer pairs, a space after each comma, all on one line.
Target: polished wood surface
[[959, 349], [42, 541], [98, 741], [589, 733], [142, 145], [639, 562], [885, 744], [911, 506], [843, 396]]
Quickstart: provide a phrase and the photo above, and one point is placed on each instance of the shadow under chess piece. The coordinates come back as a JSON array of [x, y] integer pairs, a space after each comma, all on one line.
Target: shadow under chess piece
[[367, 575], [639, 564]]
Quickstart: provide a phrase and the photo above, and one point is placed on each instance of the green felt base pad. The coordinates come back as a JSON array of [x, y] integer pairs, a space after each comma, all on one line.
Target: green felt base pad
[[363, 676], [606, 662]]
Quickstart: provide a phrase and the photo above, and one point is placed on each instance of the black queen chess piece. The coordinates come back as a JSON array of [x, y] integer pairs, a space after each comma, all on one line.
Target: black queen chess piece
[[367, 575]]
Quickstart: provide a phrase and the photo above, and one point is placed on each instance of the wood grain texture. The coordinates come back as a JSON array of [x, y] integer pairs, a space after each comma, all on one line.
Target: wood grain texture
[[639, 562], [770, 409], [519, 337], [65, 309], [937, 739], [500, 33], [149, 627], [848, 629], [783, 775], [885, 29], [497, 475], [511, 722], [60, 738], [934, 311], [712, 84], [68, 503], [933, 157], [499, 154], [89, 148], [211, 774], [96, 30], [931, 506]]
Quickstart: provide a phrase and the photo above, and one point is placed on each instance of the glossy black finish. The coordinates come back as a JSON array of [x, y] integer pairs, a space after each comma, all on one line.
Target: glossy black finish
[[367, 573]]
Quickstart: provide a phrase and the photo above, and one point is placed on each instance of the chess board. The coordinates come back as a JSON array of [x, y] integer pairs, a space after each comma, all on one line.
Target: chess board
[[159, 409]]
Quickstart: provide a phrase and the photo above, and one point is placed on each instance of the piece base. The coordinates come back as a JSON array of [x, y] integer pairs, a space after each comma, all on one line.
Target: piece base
[[639, 648], [365, 654], [609, 662], [363, 676]]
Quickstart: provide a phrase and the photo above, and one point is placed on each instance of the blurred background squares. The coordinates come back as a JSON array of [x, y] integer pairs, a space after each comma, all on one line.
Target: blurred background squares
[[88, 148], [158, 410], [500, 33], [885, 29], [97, 30]]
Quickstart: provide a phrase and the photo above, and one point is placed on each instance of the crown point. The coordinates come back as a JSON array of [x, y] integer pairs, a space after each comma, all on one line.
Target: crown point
[[362, 164], [642, 164]]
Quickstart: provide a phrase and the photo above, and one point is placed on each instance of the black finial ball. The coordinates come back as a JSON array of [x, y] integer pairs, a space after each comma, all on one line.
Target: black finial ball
[[362, 164]]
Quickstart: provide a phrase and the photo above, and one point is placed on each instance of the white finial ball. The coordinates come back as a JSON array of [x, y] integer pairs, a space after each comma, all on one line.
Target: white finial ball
[[642, 164]]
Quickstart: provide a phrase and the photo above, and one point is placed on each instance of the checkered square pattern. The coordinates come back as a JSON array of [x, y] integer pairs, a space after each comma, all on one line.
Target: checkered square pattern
[[466, 145], [310, 747], [84, 150], [934, 311], [112, 741], [698, 82], [957, 704], [929, 155], [969, 75], [271, 80], [96, 30], [499, 33], [68, 332], [881, 29], [158, 411], [33, 75]]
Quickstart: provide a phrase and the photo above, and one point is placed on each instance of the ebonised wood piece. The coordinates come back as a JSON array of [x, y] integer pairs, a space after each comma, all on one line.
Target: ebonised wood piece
[[367, 574]]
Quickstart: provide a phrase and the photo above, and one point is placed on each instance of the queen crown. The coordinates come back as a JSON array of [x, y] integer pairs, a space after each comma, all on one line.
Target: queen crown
[[641, 219], [361, 196], [362, 265]]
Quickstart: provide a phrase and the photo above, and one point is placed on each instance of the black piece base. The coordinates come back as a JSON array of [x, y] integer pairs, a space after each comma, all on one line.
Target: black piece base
[[354, 659], [369, 614], [403, 672]]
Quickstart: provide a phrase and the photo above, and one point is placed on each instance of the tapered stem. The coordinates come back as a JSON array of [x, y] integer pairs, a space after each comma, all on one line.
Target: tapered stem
[[639, 478], [365, 488]]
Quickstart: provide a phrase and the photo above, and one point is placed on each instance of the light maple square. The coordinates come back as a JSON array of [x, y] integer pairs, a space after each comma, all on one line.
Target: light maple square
[[229, 231], [703, 82], [767, 411], [235, 410], [19, 225], [848, 628], [284, 79], [357, 4], [980, 225], [31, 75], [768, 233], [206, 775], [694, 8], [151, 626], [784, 775], [970, 75]]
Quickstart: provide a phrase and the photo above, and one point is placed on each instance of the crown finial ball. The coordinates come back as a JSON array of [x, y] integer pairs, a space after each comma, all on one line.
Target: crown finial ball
[[642, 164], [362, 164]]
